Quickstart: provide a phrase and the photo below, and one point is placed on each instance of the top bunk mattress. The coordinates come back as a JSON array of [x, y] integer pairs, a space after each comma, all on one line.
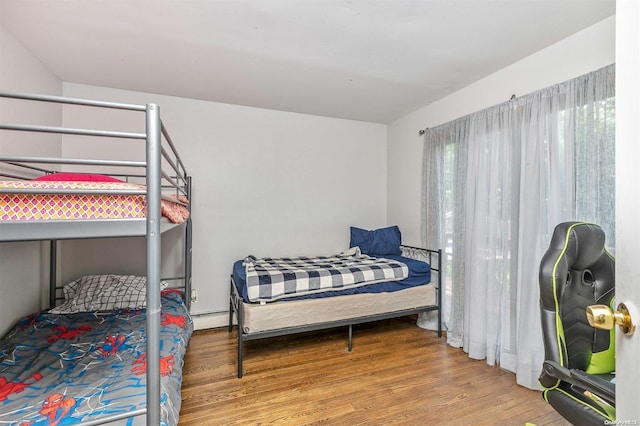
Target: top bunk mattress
[[45, 204], [36, 210], [419, 273]]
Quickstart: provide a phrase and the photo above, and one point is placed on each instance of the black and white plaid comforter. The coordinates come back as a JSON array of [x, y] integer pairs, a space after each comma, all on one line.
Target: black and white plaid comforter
[[274, 278]]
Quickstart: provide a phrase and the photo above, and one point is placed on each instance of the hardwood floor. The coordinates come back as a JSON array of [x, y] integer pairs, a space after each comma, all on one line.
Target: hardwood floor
[[397, 373]]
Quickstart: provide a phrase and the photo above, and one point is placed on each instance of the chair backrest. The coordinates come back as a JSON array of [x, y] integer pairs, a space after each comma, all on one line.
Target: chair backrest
[[575, 272]]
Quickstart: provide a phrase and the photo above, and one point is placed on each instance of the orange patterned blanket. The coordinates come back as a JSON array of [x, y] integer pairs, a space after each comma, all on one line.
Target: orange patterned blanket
[[79, 206]]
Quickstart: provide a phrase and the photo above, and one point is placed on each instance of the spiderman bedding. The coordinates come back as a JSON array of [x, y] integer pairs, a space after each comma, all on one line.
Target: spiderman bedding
[[66, 369]]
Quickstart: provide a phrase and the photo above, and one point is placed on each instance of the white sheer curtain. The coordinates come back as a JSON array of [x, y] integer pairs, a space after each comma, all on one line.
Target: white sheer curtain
[[496, 183]]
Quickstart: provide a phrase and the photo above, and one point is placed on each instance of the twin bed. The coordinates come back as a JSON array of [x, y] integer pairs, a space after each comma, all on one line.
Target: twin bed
[[90, 367], [111, 347], [378, 278]]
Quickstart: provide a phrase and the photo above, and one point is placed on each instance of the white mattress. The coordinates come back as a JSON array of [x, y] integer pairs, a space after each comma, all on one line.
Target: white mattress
[[287, 314]]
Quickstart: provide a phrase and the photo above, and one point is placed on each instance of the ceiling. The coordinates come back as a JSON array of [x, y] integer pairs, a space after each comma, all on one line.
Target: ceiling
[[369, 60]]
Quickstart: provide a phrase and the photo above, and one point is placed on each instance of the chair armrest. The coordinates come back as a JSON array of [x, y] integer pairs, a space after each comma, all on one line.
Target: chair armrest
[[594, 384]]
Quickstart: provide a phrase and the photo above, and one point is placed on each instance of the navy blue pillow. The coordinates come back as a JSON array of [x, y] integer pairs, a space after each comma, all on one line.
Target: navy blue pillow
[[379, 242]]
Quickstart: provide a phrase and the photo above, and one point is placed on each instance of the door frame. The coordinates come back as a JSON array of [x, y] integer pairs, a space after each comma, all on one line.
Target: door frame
[[627, 204]]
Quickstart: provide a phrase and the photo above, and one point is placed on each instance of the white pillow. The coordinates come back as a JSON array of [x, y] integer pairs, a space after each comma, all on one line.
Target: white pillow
[[104, 293]]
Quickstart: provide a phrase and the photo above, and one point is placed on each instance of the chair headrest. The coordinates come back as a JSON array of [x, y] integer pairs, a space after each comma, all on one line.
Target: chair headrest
[[584, 243]]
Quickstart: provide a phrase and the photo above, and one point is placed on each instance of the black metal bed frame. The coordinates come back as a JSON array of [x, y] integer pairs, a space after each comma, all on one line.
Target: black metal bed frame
[[236, 304]]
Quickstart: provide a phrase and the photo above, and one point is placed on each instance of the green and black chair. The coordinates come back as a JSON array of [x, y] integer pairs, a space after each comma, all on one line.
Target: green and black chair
[[578, 374]]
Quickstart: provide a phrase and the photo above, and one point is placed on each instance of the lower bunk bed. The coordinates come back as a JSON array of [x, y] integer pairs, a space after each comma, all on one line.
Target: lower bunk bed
[[69, 365], [418, 292]]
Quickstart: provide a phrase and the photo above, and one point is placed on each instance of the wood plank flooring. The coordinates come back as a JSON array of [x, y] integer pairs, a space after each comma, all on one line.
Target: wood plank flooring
[[396, 374]]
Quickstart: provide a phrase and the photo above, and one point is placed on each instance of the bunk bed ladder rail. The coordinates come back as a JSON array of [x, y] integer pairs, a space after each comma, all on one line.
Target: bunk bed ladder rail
[[188, 253], [154, 213]]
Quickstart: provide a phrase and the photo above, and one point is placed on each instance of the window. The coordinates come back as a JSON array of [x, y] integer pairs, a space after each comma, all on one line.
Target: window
[[496, 183]]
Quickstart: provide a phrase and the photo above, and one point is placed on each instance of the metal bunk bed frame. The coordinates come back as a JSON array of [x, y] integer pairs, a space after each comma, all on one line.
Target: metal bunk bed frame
[[151, 226]]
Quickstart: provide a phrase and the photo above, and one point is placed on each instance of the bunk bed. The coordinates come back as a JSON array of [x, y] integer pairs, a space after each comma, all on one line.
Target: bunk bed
[[48, 358], [262, 314]]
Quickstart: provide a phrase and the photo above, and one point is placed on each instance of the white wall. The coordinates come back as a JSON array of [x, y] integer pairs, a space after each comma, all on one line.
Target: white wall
[[585, 51], [20, 71], [266, 182], [21, 281]]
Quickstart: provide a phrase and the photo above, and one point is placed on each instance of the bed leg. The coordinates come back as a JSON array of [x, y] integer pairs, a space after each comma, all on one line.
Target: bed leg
[[239, 354], [240, 317], [350, 343], [231, 304]]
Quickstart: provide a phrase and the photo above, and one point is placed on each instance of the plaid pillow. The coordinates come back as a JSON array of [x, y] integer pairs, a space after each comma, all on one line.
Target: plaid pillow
[[104, 293]]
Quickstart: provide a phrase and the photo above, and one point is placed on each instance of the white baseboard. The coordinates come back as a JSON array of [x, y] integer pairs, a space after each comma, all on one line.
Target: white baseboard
[[214, 320]]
